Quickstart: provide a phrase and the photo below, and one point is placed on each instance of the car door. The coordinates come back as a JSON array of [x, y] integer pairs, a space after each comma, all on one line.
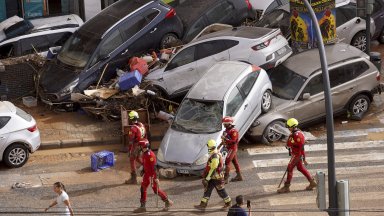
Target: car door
[[4, 132], [252, 102], [314, 107], [378, 15], [208, 53], [236, 106], [180, 73], [34, 44], [346, 22], [223, 12]]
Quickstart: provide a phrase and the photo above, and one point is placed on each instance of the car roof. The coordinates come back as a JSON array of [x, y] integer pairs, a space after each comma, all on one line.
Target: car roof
[[307, 62], [113, 14], [6, 107], [57, 21], [215, 83], [249, 32], [190, 10]]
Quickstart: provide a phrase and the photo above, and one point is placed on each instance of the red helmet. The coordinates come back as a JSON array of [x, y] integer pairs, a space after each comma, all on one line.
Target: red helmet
[[227, 120], [144, 143]]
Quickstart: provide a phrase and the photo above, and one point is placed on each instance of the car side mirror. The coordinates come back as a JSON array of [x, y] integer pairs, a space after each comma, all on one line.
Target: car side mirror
[[306, 96], [358, 21]]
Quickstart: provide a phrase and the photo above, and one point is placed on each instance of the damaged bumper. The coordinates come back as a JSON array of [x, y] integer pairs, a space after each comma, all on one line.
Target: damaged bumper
[[183, 169]]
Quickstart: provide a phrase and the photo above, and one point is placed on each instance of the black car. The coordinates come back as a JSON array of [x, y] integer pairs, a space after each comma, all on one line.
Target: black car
[[378, 16], [117, 33], [198, 14]]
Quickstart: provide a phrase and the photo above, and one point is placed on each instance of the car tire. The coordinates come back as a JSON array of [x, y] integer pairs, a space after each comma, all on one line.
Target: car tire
[[359, 106], [360, 41], [381, 36], [16, 155], [168, 40], [266, 101], [271, 135]]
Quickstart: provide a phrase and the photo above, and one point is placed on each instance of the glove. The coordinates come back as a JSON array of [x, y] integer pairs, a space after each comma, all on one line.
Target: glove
[[205, 183], [141, 169]]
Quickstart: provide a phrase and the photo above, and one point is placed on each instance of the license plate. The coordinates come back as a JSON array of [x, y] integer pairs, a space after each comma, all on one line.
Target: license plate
[[183, 171], [281, 51]]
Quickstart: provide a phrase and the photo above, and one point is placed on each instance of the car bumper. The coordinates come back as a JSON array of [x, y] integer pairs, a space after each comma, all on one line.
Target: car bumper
[[34, 141], [378, 89], [278, 57], [183, 169]]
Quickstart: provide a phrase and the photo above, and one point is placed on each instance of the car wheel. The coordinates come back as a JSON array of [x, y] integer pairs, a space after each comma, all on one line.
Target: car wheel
[[16, 155], [359, 106], [360, 41], [272, 135], [168, 40], [266, 101], [381, 37]]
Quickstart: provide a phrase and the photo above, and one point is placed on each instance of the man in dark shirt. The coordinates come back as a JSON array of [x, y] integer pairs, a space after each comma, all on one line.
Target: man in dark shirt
[[236, 209]]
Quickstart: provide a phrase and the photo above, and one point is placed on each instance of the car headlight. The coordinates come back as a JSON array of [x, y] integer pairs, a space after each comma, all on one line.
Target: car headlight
[[202, 160], [69, 88], [160, 155]]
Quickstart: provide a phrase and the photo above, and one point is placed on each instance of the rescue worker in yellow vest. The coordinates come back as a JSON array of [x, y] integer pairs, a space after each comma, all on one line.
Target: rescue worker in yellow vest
[[213, 177]]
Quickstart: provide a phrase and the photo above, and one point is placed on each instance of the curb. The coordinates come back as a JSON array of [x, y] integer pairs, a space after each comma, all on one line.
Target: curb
[[70, 143]]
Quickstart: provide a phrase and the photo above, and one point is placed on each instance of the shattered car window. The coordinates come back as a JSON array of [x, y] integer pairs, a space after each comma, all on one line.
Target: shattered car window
[[199, 116], [78, 49], [285, 82]]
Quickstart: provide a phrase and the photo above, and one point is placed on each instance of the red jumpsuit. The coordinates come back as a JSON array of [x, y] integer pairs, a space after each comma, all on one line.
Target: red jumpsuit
[[231, 142], [149, 163], [296, 143], [137, 132]]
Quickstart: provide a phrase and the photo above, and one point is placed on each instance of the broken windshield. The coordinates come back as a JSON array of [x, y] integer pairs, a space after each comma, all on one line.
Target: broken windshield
[[78, 49], [199, 116], [285, 82]]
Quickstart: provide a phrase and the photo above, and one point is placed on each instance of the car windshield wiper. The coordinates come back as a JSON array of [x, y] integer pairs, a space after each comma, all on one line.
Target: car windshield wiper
[[179, 126]]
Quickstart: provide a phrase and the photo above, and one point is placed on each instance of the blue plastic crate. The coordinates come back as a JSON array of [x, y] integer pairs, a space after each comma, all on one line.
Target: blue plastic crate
[[129, 80], [102, 160]]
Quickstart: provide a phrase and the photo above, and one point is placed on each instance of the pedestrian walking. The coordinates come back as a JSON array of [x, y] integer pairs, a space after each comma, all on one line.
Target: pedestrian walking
[[213, 177], [137, 132], [237, 210], [62, 200], [230, 139], [295, 145], [150, 177]]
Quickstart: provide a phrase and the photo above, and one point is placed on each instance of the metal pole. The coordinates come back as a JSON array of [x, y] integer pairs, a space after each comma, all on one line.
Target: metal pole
[[368, 33], [329, 112]]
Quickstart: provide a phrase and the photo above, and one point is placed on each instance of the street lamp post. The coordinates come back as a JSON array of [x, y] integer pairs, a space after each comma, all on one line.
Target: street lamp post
[[329, 112]]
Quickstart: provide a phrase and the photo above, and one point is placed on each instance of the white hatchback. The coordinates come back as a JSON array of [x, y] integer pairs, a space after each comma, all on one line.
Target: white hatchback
[[19, 135], [259, 46]]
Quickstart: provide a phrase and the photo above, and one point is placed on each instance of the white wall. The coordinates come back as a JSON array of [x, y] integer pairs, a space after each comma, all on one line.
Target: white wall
[[92, 7]]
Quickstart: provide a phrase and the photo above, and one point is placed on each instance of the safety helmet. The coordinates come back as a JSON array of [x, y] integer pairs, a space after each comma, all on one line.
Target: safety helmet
[[133, 115], [144, 143], [227, 120], [292, 122], [211, 144]]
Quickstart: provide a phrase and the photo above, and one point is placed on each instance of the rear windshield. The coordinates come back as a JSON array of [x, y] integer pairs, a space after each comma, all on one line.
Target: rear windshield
[[23, 114]]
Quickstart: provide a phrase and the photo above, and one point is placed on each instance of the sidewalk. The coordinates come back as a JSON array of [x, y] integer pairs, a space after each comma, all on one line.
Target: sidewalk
[[76, 129]]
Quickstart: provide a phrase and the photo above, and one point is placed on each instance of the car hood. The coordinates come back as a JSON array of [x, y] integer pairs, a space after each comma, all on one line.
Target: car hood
[[155, 75], [279, 103], [56, 77], [185, 148]]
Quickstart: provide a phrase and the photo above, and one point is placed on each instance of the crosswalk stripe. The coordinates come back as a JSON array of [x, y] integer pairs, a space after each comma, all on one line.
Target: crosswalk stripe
[[283, 200], [317, 147], [339, 171], [373, 156], [354, 133]]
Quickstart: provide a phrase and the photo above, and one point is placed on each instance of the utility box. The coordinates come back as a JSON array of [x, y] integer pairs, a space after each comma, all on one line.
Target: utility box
[[343, 197], [320, 198]]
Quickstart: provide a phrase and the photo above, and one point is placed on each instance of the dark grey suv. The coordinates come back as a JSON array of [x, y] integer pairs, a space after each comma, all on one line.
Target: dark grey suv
[[125, 28]]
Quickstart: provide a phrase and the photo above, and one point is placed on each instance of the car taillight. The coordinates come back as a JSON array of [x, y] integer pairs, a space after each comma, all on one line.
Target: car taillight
[[171, 13], [378, 76], [32, 129], [248, 4], [262, 45]]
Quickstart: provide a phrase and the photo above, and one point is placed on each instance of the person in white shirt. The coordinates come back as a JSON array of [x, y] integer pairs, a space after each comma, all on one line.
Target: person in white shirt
[[62, 200]]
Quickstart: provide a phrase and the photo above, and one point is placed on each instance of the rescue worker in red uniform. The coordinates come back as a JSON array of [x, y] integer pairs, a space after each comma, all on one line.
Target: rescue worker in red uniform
[[213, 177], [230, 139], [150, 177], [295, 145], [137, 132]]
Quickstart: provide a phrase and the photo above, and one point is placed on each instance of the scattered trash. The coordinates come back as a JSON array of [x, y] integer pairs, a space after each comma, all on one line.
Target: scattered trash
[[138, 64], [103, 93], [30, 101], [165, 116], [344, 122], [102, 160], [168, 173], [130, 80], [20, 185]]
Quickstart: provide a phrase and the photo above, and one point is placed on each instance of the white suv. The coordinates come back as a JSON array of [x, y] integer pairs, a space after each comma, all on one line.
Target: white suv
[[19, 135], [263, 47]]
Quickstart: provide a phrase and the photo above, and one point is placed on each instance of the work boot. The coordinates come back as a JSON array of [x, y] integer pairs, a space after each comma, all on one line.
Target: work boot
[[226, 177], [284, 189], [168, 204], [227, 205], [202, 206], [133, 179], [238, 177], [141, 209], [312, 184]]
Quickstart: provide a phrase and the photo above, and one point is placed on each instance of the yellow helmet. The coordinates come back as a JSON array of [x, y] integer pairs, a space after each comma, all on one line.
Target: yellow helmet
[[133, 115], [292, 122], [211, 144]]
